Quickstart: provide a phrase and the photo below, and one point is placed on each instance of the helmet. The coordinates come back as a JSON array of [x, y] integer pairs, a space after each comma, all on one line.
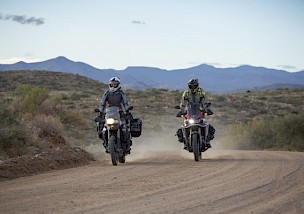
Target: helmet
[[114, 84], [193, 84]]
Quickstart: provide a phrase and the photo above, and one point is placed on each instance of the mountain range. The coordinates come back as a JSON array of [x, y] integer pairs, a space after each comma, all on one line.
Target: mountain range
[[222, 80]]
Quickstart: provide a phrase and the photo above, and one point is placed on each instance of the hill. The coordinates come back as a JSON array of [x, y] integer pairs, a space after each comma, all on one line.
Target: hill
[[74, 97], [221, 80], [82, 94]]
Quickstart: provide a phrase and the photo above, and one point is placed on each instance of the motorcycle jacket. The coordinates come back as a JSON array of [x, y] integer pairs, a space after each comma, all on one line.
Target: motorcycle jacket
[[117, 98], [197, 96]]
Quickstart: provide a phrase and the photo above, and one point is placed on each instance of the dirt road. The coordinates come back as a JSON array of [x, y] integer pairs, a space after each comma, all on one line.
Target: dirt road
[[223, 182]]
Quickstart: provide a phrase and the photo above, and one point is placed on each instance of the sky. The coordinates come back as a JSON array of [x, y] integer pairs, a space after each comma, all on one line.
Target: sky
[[167, 34]]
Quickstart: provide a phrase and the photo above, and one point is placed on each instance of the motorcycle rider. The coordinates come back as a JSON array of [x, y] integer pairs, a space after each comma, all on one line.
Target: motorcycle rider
[[194, 94], [115, 97]]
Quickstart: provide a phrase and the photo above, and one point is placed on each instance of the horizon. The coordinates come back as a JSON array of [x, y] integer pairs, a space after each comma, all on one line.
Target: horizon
[[150, 66]]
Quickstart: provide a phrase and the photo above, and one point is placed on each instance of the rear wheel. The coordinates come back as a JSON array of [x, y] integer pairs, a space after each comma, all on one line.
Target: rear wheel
[[113, 150], [196, 149]]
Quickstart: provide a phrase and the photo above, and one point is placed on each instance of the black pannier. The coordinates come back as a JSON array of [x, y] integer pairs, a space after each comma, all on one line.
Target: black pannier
[[136, 126]]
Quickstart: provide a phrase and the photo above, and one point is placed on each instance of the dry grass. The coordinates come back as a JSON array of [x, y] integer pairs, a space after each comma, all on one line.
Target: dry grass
[[47, 125], [77, 97]]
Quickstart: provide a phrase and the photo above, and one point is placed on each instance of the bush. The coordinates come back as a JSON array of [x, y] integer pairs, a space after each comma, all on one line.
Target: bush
[[13, 135], [29, 98], [285, 133], [50, 106], [73, 118], [7, 115], [290, 132], [13, 140], [47, 125]]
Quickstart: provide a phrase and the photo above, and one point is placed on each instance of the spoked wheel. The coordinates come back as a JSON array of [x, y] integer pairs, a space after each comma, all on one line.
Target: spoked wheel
[[196, 149], [113, 150]]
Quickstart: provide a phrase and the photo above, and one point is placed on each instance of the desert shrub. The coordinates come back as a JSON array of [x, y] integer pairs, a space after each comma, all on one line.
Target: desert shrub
[[52, 105], [7, 115], [285, 133], [72, 118], [75, 96], [221, 98], [263, 97], [64, 97], [13, 134], [260, 134], [290, 132], [13, 140], [29, 98], [48, 124]]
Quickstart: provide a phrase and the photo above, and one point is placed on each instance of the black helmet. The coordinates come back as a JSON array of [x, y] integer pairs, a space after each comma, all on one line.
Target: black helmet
[[114, 84], [193, 84]]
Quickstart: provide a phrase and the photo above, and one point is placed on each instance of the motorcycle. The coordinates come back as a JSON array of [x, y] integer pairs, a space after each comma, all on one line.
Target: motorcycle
[[195, 129], [114, 129]]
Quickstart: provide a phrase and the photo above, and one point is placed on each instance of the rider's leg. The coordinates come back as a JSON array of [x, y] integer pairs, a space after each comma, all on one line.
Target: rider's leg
[[210, 136]]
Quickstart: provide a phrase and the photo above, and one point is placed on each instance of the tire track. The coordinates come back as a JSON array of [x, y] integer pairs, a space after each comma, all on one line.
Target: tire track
[[223, 182]]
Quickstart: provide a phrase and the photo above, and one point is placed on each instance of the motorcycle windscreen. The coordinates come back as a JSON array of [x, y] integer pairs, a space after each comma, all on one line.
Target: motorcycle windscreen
[[113, 112], [193, 110]]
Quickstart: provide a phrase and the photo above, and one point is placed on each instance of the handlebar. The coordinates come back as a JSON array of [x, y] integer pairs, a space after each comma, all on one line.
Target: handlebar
[[130, 108]]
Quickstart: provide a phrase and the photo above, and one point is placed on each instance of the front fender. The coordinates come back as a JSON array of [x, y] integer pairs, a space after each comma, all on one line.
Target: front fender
[[113, 127]]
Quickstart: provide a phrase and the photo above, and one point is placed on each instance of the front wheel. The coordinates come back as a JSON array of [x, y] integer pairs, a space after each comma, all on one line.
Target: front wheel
[[121, 158], [113, 150], [196, 147]]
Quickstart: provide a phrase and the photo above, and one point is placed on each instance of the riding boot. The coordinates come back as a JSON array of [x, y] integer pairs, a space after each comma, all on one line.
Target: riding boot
[[185, 146], [106, 147], [128, 147]]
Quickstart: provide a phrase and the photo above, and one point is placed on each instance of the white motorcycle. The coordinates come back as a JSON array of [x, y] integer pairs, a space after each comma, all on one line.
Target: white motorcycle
[[116, 130]]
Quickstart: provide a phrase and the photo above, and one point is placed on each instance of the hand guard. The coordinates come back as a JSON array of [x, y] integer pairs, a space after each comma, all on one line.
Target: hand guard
[[179, 114], [129, 116]]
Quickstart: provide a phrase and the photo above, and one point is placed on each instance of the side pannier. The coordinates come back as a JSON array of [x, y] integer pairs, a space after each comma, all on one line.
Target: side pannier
[[136, 127]]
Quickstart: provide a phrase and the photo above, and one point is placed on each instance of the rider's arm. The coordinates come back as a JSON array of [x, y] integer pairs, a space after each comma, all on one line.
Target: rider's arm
[[202, 93], [124, 101], [103, 101], [184, 101], [202, 98]]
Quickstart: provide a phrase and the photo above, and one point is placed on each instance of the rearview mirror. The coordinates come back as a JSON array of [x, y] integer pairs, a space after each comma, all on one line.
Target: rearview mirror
[[177, 107]]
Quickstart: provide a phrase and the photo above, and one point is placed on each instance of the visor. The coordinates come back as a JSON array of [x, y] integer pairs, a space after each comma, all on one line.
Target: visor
[[192, 86], [114, 85]]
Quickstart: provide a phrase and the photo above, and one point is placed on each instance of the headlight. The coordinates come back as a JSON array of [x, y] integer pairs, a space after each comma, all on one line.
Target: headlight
[[191, 121], [110, 121]]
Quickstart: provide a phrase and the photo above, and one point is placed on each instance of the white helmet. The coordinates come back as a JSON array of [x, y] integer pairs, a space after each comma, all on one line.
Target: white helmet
[[114, 84]]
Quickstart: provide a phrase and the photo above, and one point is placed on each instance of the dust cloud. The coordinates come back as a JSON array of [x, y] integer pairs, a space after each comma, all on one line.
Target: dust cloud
[[165, 143], [162, 144], [156, 144]]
